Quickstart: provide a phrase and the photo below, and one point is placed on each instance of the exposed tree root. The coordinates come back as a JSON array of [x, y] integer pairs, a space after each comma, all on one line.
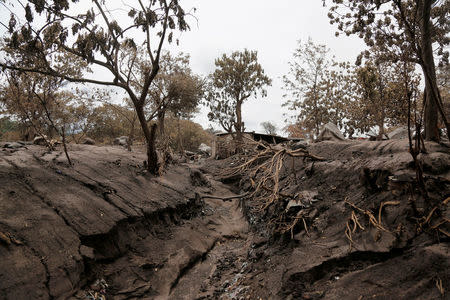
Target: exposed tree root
[[439, 286], [349, 231], [377, 223], [426, 221], [372, 219], [263, 168]]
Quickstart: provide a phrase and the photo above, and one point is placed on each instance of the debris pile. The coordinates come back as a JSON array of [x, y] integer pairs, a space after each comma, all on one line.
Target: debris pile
[[341, 211]]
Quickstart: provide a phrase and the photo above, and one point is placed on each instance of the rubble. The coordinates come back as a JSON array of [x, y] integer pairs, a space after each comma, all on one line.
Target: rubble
[[356, 213]]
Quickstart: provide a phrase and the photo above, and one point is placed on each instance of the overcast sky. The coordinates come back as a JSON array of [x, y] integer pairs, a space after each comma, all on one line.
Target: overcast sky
[[270, 27]]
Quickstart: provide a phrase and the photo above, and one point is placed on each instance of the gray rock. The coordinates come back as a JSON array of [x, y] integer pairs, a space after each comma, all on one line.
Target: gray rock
[[88, 141], [205, 148], [39, 140], [299, 145], [87, 252], [399, 133], [330, 132], [373, 136], [122, 141], [13, 145], [303, 199], [189, 153], [198, 178]]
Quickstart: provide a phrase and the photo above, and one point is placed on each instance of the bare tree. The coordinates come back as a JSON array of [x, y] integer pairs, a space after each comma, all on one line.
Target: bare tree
[[405, 30], [236, 78], [103, 37], [269, 127], [314, 87]]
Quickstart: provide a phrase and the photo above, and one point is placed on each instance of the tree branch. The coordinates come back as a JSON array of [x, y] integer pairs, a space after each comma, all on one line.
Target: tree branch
[[56, 74]]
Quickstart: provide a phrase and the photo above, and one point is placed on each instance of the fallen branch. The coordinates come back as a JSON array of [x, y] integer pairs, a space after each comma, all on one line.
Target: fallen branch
[[306, 227], [439, 286]]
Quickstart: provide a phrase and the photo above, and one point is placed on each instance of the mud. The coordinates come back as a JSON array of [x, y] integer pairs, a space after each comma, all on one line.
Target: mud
[[103, 218], [62, 229], [406, 257]]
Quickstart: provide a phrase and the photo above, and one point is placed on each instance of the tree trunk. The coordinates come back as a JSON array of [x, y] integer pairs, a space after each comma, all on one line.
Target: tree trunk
[[430, 115], [382, 103], [151, 151], [238, 125], [381, 130], [381, 124], [161, 117], [152, 157], [66, 152], [51, 132], [429, 71], [131, 135], [29, 132], [180, 139], [316, 105]]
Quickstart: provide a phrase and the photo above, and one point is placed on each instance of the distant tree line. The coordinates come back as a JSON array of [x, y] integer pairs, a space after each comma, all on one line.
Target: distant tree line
[[381, 90], [358, 98], [40, 104], [39, 32], [404, 31], [49, 47]]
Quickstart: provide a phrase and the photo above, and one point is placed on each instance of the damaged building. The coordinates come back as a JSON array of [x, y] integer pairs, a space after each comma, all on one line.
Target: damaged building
[[224, 144]]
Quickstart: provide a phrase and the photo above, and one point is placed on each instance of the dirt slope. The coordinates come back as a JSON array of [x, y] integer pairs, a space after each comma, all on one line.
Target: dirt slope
[[400, 254], [64, 228]]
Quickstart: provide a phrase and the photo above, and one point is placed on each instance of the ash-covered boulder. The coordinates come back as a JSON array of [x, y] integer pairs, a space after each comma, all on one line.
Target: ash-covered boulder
[[88, 141], [373, 136], [198, 178], [122, 141], [330, 132], [40, 140], [203, 148], [399, 133], [299, 145], [13, 145]]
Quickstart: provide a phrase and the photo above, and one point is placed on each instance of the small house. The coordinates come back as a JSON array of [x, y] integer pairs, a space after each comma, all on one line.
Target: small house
[[224, 144]]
